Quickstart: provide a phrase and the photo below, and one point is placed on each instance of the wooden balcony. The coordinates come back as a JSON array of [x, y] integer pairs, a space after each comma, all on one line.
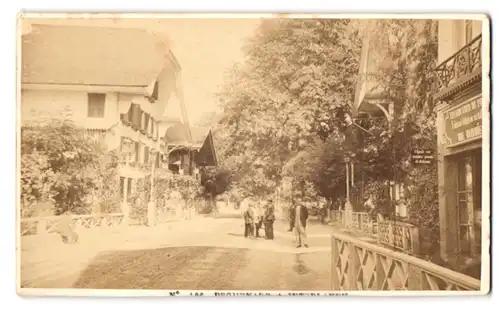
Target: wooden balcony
[[460, 70], [358, 266]]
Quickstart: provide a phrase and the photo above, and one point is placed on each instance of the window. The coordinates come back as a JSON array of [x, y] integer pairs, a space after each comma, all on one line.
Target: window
[[468, 31], [96, 105]]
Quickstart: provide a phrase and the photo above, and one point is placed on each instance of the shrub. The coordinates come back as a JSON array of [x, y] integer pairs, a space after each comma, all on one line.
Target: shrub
[[62, 166]]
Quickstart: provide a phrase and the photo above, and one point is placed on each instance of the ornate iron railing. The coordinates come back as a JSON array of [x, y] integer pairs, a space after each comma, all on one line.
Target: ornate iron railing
[[460, 65], [44, 225], [358, 265]]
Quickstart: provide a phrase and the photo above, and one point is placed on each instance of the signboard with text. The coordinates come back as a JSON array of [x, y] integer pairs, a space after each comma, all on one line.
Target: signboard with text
[[463, 122], [422, 156]]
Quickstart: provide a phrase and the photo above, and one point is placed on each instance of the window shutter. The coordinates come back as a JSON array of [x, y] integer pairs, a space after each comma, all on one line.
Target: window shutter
[[134, 109], [146, 122], [141, 120], [137, 152], [130, 114], [155, 91], [122, 186], [146, 154]]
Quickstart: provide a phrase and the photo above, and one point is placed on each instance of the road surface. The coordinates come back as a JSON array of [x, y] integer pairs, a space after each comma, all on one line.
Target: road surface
[[208, 253]]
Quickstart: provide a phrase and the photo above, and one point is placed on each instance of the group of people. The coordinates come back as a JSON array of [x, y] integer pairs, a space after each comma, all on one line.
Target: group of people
[[257, 216]]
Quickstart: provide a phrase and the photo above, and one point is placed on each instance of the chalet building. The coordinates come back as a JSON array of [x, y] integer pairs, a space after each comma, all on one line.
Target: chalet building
[[460, 137], [184, 153], [115, 83]]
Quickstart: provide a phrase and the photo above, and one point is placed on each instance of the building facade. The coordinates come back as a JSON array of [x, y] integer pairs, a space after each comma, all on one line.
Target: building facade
[[115, 83], [460, 138]]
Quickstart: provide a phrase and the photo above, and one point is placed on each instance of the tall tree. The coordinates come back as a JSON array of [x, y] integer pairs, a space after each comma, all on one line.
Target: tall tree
[[296, 72]]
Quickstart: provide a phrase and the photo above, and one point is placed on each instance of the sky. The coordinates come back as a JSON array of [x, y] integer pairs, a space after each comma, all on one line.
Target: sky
[[205, 48]]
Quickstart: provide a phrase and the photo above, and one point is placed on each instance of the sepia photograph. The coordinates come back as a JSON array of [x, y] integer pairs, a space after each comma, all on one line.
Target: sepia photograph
[[253, 154]]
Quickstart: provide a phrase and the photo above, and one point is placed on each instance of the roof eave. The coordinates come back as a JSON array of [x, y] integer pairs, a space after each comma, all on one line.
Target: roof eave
[[132, 89]]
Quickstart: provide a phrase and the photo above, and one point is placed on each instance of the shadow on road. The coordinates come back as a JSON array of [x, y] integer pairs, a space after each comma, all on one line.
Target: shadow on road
[[217, 268], [300, 267]]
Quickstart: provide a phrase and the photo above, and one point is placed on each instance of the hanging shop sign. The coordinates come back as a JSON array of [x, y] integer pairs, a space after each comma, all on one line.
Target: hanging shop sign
[[463, 123], [422, 156]]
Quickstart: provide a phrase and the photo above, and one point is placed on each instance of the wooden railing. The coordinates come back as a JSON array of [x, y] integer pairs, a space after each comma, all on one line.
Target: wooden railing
[[44, 225], [362, 222], [358, 265], [338, 216], [461, 64], [400, 235]]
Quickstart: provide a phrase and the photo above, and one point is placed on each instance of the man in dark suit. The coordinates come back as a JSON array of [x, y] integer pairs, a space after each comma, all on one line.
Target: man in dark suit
[[269, 219], [299, 221]]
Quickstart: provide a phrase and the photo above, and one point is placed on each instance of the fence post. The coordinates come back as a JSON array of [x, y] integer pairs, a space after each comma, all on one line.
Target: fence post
[[353, 265], [391, 233], [414, 240], [378, 231], [379, 272], [334, 280], [41, 227], [415, 278]]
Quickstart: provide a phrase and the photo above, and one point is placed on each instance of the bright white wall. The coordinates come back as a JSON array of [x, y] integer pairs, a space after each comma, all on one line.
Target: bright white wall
[[37, 105], [452, 36]]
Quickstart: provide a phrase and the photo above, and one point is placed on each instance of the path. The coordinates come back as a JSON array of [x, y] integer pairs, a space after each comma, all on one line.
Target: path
[[205, 253]]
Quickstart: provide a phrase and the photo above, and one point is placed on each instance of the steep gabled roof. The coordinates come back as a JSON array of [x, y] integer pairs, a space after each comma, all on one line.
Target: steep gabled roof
[[76, 55], [206, 155]]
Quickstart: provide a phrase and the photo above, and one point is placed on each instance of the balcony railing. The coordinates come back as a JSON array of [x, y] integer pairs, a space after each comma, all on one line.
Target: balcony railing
[[359, 266], [460, 67]]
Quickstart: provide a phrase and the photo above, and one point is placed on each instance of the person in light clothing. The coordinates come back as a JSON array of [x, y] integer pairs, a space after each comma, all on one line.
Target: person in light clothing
[[299, 220], [248, 216]]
